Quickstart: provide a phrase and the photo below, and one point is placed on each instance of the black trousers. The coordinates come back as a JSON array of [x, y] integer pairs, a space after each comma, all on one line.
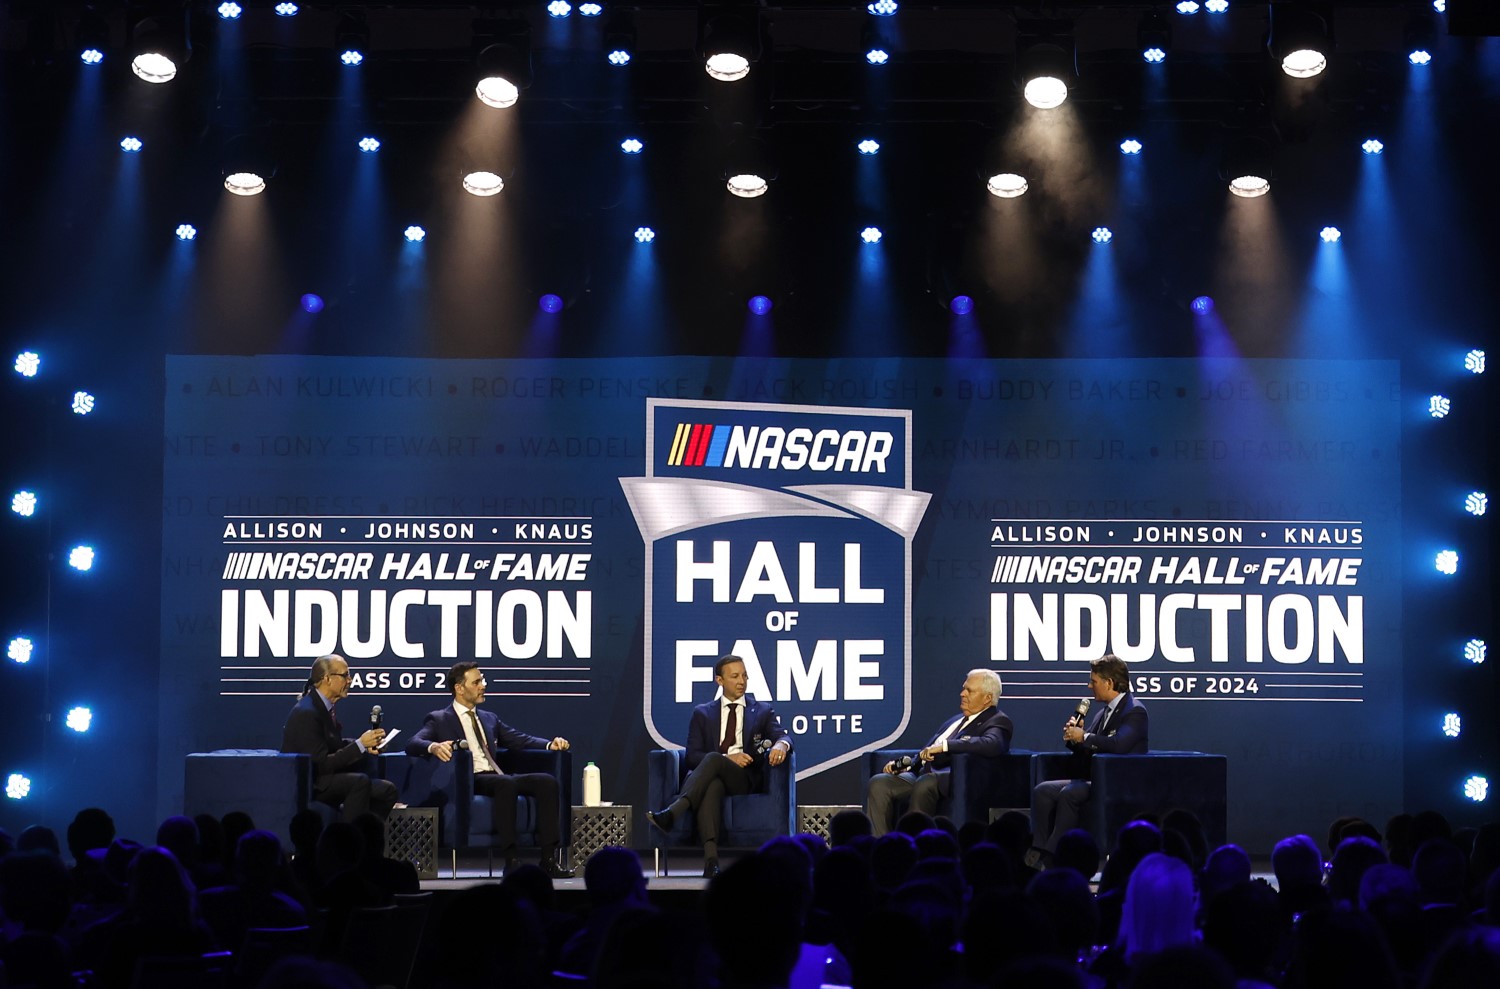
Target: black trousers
[[705, 788], [355, 793], [504, 788]]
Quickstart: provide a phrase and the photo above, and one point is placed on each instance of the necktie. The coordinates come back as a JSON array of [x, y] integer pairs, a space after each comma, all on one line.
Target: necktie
[[484, 743], [731, 729]]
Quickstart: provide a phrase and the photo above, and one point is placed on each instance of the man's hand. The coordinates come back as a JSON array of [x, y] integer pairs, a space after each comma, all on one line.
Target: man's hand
[[443, 750], [777, 755], [559, 744], [890, 768], [741, 759], [1073, 733], [372, 738], [930, 753]]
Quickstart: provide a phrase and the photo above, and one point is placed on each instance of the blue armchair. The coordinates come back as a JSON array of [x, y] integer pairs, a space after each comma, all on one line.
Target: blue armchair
[[465, 818], [268, 785], [1124, 787], [976, 784], [749, 821]]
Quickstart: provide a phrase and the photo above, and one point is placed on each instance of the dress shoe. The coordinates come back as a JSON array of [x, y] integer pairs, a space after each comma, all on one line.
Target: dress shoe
[[555, 871], [660, 819], [710, 868]]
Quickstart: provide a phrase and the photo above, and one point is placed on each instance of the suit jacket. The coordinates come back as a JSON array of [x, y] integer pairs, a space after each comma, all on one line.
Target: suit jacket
[[443, 725], [311, 730], [988, 735], [762, 729], [1121, 732]]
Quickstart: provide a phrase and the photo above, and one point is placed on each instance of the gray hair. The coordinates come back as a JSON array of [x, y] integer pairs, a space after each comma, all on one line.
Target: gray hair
[[989, 681], [320, 669]]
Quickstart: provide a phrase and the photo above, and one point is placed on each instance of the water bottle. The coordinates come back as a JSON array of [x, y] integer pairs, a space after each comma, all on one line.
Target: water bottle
[[591, 785]]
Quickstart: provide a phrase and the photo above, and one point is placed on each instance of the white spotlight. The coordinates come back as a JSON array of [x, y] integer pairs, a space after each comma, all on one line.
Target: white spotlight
[[154, 67], [1475, 650], [1474, 361], [1476, 503], [1438, 406], [497, 92], [1330, 235], [23, 503], [1007, 185], [28, 363], [727, 66], [1046, 92], [747, 186], [1249, 186], [244, 183], [483, 184], [1446, 562], [83, 403], [1476, 788]]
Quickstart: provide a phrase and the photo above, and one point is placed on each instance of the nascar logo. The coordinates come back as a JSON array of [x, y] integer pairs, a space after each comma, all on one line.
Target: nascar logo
[[777, 448]]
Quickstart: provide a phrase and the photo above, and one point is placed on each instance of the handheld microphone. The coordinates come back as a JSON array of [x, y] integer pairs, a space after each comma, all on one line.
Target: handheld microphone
[[1080, 712], [375, 716], [905, 764]]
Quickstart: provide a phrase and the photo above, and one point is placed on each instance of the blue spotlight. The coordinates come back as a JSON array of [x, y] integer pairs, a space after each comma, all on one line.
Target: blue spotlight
[[312, 303], [759, 305], [81, 558], [550, 303], [1102, 235], [644, 235], [131, 145], [1372, 146], [91, 56], [877, 56], [1474, 651], [17, 786], [1446, 562], [186, 231], [1420, 56], [83, 403], [1441, 6], [869, 146], [632, 146], [351, 57], [883, 8], [1154, 55], [1452, 724], [287, 10], [1130, 146], [28, 364], [19, 649], [619, 57], [1474, 361], [961, 305], [559, 8], [79, 719], [414, 234], [369, 145], [230, 11], [870, 235], [1202, 305], [23, 503], [1438, 406], [1187, 7], [1476, 788], [1476, 503], [1330, 235], [1216, 6], [590, 9]]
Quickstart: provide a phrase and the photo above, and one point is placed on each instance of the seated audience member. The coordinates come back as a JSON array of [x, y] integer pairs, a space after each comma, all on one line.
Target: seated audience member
[[38, 839], [1077, 850], [1183, 966], [235, 825], [1003, 928], [846, 825], [1187, 824], [160, 918], [1065, 899], [306, 828], [892, 859], [1160, 911], [979, 728], [1398, 840], [1298, 867], [986, 867], [1469, 958], [1350, 861], [768, 962], [1441, 873], [1245, 925], [1227, 866], [391, 875], [843, 893], [488, 936], [1335, 947], [252, 900], [179, 835], [531, 883], [1389, 894], [342, 888], [90, 828], [615, 883], [34, 906]]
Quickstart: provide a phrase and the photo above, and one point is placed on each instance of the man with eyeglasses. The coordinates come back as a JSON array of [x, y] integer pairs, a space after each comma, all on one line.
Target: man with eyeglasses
[[313, 729], [485, 735]]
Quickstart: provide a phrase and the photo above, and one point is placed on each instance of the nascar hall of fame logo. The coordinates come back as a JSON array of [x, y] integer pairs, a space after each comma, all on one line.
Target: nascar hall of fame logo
[[781, 534]]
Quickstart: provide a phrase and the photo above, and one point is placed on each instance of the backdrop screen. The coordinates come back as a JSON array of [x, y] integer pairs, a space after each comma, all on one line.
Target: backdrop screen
[[862, 532]]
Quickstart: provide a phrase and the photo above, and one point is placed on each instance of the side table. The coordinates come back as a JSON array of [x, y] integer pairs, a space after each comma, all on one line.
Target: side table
[[411, 834], [596, 827]]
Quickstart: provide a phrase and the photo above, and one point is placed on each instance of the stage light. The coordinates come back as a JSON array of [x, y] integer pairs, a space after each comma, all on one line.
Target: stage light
[[961, 305], [1202, 305], [631, 146], [1476, 788], [1474, 361], [28, 363], [23, 503], [186, 231], [1046, 92], [1438, 406], [154, 67], [352, 57], [287, 10], [869, 146], [17, 786], [79, 719], [1130, 146], [748, 170], [1153, 36], [311, 303], [619, 57], [1249, 186], [1420, 34], [550, 303], [870, 235], [230, 11], [747, 186], [1187, 7], [1216, 6], [81, 558], [245, 183], [1419, 56], [414, 234], [1154, 55], [1476, 503], [1441, 6], [883, 8], [619, 37], [877, 56], [559, 8], [728, 45], [83, 403], [1330, 235], [1446, 562], [590, 9], [759, 304], [19, 649], [1007, 185], [727, 66], [1372, 146], [369, 145], [1299, 40], [1452, 725], [1102, 235], [483, 184], [1246, 166], [504, 69], [91, 56], [130, 145], [644, 235], [158, 48], [1474, 651]]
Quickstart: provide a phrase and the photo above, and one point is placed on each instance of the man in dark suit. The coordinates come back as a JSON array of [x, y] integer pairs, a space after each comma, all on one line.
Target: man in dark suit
[[1119, 728], [979, 728], [486, 734], [312, 729], [730, 741]]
